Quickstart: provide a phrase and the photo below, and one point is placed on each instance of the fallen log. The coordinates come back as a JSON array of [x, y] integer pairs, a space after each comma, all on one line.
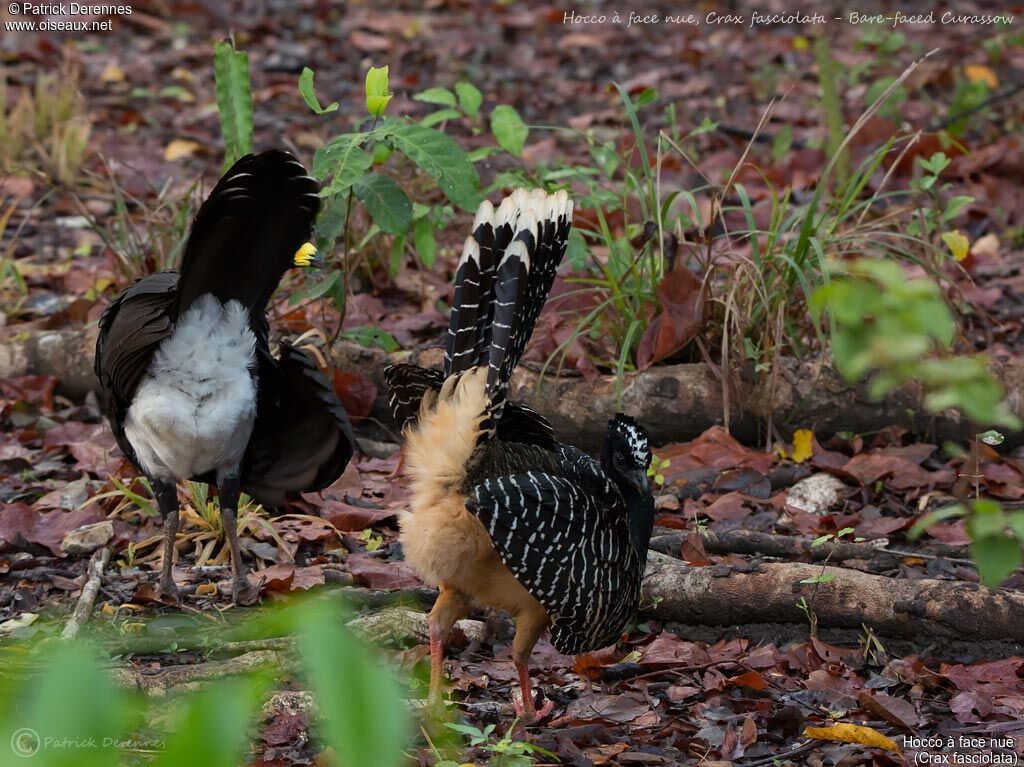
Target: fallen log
[[755, 543], [771, 593], [675, 402]]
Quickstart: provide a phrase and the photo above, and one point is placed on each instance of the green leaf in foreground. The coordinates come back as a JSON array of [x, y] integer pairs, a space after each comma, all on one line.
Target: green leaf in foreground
[[309, 93], [437, 155], [234, 99], [387, 203], [361, 708], [509, 129], [212, 726]]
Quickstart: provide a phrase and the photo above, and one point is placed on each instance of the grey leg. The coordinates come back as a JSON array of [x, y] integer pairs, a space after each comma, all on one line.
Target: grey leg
[[167, 499], [228, 488]]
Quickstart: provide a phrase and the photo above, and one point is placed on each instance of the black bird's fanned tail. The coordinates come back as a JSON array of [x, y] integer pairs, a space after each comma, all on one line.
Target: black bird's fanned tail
[[507, 268], [248, 229]]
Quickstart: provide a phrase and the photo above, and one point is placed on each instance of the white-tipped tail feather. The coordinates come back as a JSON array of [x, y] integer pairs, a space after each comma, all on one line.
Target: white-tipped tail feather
[[504, 275]]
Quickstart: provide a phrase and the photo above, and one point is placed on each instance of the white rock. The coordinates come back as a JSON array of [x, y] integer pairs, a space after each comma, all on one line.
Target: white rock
[[817, 493], [88, 538]]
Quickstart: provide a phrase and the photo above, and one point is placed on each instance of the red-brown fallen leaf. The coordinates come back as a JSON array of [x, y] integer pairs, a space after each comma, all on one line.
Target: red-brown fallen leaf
[[349, 483], [21, 525], [12, 450], [832, 654], [35, 390], [880, 527], [380, 573], [692, 550], [590, 664], [752, 679], [303, 528], [356, 392], [1008, 672], [730, 507], [681, 295], [833, 685], [951, 533], [715, 448], [284, 728], [895, 711], [736, 742], [350, 519], [382, 465], [970, 706], [668, 649], [900, 473], [763, 656], [682, 692], [624, 708], [284, 577]]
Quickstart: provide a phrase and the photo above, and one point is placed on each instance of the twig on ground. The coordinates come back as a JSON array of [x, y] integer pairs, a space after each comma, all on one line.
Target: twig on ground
[[82, 611]]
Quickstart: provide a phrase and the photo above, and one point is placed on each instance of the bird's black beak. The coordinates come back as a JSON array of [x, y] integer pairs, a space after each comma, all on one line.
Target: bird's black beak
[[639, 480], [308, 257]]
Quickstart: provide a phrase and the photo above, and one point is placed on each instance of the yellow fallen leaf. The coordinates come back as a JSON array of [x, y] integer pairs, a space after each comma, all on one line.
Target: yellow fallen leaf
[[978, 73], [853, 733], [206, 590], [801, 43], [179, 148], [802, 448], [180, 73], [112, 73], [957, 243]]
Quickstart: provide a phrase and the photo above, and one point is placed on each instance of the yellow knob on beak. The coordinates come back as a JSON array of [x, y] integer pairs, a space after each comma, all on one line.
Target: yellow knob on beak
[[307, 256]]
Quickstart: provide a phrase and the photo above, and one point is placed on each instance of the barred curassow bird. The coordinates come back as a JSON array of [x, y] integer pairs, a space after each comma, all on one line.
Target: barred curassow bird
[[183, 357], [501, 514]]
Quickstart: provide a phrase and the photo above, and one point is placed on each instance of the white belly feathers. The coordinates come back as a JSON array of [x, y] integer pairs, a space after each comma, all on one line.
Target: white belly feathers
[[194, 410]]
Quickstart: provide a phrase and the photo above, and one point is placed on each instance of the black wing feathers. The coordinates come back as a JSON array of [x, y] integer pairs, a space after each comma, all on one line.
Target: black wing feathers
[[302, 439]]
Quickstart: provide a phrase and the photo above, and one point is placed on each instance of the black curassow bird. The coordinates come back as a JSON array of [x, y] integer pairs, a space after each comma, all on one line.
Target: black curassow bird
[[184, 360], [501, 514]]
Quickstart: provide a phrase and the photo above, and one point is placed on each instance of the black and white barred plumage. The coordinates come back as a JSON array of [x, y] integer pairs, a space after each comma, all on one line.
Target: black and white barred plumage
[[566, 537]]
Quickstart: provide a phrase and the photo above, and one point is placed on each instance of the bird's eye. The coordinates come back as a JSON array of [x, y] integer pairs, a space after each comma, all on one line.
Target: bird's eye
[[619, 460]]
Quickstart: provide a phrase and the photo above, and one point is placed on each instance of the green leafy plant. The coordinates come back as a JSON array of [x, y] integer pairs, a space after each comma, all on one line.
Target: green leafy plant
[[657, 468], [807, 606], [899, 330], [345, 165], [234, 99], [501, 752]]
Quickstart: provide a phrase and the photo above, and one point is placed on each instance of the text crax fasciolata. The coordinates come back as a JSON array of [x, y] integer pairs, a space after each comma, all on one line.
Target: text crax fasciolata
[[184, 360], [501, 514]]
